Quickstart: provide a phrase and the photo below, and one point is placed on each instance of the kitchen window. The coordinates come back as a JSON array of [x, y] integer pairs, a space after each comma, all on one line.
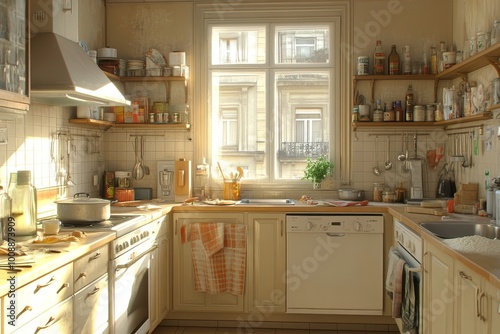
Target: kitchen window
[[273, 84]]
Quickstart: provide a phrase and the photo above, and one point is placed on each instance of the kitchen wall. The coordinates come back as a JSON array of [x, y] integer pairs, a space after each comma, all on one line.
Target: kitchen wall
[[168, 26]]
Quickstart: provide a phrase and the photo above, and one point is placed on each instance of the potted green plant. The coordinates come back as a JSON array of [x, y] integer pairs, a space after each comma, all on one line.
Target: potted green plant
[[317, 170]]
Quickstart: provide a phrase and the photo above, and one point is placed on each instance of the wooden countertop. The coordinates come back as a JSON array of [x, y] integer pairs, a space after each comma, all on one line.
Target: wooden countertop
[[487, 266], [47, 262]]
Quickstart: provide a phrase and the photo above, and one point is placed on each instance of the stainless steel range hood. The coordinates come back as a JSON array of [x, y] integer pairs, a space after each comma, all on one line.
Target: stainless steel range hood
[[63, 74]]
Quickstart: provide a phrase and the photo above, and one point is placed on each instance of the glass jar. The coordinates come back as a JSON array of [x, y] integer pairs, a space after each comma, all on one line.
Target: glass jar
[[400, 193], [495, 33], [388, 196], [419, 113], [378, 189], [5, 214], [24, 206], [429, 113]]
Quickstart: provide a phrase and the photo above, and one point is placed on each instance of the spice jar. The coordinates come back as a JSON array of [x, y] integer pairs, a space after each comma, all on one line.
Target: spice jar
[[378, 189]]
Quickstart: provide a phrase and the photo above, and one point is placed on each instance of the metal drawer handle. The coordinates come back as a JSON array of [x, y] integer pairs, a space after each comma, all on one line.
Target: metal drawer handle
[[40, 286], [51, 321], [65, 285], [95, 257], [465, 276], [25, 309], [96, 289], [82, 275], [481, 316]]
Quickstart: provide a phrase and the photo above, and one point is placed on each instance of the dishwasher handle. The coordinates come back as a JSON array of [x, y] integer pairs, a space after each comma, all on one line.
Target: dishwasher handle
[[336, 235]]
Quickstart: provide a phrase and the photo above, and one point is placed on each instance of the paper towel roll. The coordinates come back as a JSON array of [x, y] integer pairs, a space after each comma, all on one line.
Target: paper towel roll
[[177, 58]]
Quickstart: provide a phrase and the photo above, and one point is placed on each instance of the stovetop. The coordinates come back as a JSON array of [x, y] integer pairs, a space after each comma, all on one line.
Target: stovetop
[[121, 224]]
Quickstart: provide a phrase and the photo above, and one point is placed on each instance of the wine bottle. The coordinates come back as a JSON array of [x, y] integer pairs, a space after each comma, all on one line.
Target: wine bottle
[[393, 61]]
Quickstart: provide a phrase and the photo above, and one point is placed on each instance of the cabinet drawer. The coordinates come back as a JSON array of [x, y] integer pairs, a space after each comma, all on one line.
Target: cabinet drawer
[[38, 296], [91, 307], [55, 320], [90, 266]]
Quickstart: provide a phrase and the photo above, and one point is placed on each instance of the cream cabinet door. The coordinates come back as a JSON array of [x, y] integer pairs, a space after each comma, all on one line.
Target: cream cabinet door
[[469, 301], [40, 295], [185, 298], [56, 320], [492, 308], [438, 299], [154, 287], [91, 307], [267, 284], [90, 266]]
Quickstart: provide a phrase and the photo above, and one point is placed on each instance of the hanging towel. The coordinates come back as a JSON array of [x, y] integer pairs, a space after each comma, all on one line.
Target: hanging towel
[[409, 309], [218, 255], [394, 257], [398, 289]]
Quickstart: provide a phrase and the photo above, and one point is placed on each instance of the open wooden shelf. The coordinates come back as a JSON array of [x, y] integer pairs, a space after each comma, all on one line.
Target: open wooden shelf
[[152, 126], [92, 122]]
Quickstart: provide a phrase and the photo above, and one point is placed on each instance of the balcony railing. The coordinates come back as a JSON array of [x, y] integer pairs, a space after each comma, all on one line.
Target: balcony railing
[[298, 150]]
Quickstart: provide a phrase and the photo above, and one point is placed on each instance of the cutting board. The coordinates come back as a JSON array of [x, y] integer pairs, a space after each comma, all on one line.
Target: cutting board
[[427, 211], [131, 203]]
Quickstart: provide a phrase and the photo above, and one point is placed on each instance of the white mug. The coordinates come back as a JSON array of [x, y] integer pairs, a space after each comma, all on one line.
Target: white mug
[[51, 226]]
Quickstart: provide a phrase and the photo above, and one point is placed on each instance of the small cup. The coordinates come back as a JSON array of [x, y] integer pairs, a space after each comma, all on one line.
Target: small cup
[[51, 226], [232, 190]]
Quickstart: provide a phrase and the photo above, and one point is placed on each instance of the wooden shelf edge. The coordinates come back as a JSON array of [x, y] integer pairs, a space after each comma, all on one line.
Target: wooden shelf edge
[[494, 107], [91, 122], [396, 77], [151, 79], [172, 126], [479, 117]]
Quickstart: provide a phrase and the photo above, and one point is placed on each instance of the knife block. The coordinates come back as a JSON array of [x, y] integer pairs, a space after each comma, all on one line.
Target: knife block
[[182, 177]]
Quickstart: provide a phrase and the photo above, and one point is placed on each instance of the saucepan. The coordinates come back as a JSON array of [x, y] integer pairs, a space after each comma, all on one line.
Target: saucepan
[[83, 208], [348, 194]]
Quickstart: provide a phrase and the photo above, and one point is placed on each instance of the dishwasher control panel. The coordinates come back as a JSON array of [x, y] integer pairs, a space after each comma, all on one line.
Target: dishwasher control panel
[[338, 223]]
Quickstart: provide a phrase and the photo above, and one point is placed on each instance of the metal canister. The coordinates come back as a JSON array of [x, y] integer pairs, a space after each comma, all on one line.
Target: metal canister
[[151, 117], [363, 65], [165, 117], [496, 91], [419, 113], [159, 117]]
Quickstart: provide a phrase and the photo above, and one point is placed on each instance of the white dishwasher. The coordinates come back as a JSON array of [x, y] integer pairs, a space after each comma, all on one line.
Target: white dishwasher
[[335, 263]]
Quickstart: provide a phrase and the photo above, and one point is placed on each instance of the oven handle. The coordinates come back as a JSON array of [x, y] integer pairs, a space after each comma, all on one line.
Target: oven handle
[[336, 235], [137, 258]]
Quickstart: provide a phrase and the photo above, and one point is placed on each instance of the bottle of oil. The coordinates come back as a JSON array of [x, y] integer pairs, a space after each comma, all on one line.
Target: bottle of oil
[[378, 59], [394, 62]]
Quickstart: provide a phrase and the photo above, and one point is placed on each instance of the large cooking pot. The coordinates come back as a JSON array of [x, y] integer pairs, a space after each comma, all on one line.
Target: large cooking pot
[[83, 208], [351, 194]]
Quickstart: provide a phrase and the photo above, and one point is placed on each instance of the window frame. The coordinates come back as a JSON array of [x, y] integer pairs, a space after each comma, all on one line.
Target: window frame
[[336, 13]]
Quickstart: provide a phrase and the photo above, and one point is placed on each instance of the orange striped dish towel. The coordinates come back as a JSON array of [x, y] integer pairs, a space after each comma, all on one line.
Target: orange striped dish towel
[[219, 256]]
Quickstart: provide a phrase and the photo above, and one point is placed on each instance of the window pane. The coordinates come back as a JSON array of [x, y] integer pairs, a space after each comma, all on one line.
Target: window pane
[[238, 45], [308, 44], [303, 107], [239, 121]]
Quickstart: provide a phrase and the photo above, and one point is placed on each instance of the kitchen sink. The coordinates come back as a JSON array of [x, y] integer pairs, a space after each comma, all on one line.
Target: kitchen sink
[[266, 201], [450, 230]]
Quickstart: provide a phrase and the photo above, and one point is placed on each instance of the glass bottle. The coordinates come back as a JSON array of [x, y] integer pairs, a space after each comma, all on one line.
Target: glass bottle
[[389, 113], [434, 67], [12, 183], [378, 113], [442, 49], [393, 61], [24, 206], [378, 59], [5, 213], [409, 104], [495, 33], [406, 67], [398, 112], [400, 193], [425, 64]]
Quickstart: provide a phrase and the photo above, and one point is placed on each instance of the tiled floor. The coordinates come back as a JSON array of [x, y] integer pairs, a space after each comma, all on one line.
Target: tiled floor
[[200, 330]]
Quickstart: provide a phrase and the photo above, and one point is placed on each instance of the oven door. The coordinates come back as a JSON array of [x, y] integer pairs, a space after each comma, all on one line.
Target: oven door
[[416, 269], [131, 290]]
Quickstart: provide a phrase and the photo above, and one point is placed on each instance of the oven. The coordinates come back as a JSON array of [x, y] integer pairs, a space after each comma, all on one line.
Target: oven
[[408, 246], [129, 271]]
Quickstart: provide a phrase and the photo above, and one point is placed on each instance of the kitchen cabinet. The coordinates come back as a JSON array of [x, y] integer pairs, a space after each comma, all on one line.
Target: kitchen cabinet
[[56, 320], [185, 298], [89, 267], [91, 307], [492, 309], [40, 295], [160, 278], [470, 301], [267, 262], [438, 296], [14, 55]]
